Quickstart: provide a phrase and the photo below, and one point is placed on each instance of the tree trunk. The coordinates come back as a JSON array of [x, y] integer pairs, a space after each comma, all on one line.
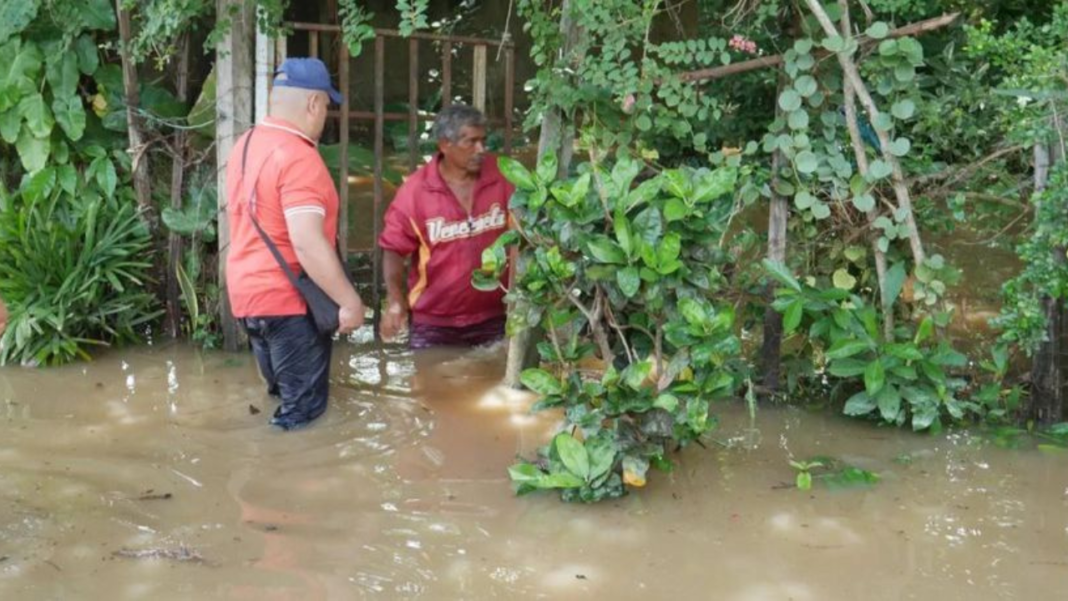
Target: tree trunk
[[234, 82], [142, 185], [778, 218], [1046, 402], [556, 136], [862, 168], [174, 242], [852, 76]]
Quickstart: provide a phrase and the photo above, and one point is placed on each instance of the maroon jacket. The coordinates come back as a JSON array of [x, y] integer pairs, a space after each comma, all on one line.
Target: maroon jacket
[[426, 220]]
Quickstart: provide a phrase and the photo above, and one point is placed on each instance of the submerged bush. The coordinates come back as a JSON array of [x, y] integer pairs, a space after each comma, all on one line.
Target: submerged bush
[[73, 269], [623, 279]]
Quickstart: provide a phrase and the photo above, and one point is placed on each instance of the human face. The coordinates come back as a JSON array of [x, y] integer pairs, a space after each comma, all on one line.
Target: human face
[[465, 154]]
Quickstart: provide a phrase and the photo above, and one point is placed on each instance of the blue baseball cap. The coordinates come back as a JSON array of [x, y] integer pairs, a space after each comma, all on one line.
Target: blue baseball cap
[[307, 74]]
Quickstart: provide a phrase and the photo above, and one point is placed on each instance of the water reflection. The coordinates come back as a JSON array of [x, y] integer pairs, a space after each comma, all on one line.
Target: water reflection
[[152, 473]]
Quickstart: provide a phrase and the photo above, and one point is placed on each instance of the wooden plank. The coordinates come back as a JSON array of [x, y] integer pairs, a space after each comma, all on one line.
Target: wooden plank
[[413, 104], [281, 50], [263, 74], [233, 96], [509, 101], [478, 74], [446, 74], [380, 134], [393, 33], [313, 44], [343, 168]]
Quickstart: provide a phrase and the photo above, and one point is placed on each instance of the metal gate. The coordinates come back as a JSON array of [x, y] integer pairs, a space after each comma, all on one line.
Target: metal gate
[[269, 55]]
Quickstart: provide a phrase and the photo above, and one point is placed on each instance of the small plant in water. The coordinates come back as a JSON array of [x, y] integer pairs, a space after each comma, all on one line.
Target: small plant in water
[[832, 473]]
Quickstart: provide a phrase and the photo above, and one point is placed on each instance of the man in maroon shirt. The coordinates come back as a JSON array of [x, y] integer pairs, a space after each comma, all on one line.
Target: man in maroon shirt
[[443, 217]]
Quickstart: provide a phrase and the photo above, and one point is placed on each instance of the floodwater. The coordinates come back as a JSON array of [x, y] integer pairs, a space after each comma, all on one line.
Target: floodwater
[[148, 474]]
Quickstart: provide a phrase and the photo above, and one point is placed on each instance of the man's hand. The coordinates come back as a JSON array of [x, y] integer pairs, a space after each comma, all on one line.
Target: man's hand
[[394, 321], [350, 318]]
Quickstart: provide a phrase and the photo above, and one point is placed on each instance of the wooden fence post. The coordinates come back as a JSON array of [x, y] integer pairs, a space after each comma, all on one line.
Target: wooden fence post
[[233, 96]]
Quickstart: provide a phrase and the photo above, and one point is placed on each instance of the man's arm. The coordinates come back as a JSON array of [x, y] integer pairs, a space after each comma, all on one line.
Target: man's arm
[[318, 259], [394, 271]]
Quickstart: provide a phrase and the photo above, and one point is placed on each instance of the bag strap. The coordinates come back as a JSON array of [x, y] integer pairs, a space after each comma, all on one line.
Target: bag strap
[[252, 212]]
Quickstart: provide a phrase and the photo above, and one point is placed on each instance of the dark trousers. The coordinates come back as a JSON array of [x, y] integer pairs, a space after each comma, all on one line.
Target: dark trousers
[[294, 358], [421, 336]]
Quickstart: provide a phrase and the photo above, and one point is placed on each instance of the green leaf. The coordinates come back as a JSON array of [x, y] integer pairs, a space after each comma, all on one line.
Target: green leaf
[[623, 234], [834, 43], [789, 101], [903, 109], [547, 167], [804, 480], [669, 249], [798, 119], [515, 172], [68, 178], [864, 202], [676, 210], [782, 274], [88, 55], [843, 280], [904, 73], [889, 402], [99, 14], [643, 122], [648, 226], [859, 404], [899, 147], [38, 118], [541, 381], [895, 281], [847, 368], [33, 152], [667, 402], [880, 169], [629, 281], [792, 317], [883, 122], [39, 185], [821, 210], [15, 15], [573, 455], [602, 454], [637, 373], [874, 377], [806, 162], [70, 114], [806, 85], [878, 30], [803, 200], [606, 251], [847, 348], [106, 176], [62, 74], [10, 125]]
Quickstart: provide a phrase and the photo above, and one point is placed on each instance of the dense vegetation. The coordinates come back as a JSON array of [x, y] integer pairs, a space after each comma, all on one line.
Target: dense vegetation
[[698, 227]]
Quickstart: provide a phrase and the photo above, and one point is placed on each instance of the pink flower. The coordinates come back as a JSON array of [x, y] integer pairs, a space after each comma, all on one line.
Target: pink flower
[[628, 103]]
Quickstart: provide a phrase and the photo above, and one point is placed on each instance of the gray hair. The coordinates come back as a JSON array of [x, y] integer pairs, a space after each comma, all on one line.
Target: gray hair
[[453, 118]]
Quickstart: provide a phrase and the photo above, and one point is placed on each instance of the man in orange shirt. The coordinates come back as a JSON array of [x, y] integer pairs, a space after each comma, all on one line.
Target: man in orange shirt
[[277, 176]]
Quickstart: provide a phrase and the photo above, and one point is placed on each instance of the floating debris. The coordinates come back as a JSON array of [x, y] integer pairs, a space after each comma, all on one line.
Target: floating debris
[[181, 554]]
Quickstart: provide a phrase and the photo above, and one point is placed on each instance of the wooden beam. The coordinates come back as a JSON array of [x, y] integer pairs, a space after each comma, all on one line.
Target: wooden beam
[[413, 104], [132, 97], [343, 168], [777, 59], [380, 133], [478, 85], [233, 96]]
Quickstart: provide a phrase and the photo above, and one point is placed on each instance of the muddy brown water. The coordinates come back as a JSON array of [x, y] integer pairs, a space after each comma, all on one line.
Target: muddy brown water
[[146, 475]]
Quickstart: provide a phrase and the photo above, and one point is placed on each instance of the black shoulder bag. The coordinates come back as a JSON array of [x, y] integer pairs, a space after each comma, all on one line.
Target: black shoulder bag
[[323, 309]]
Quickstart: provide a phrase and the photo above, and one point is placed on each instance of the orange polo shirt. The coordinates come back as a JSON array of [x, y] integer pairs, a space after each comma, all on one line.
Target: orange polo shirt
[[290, 178]]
